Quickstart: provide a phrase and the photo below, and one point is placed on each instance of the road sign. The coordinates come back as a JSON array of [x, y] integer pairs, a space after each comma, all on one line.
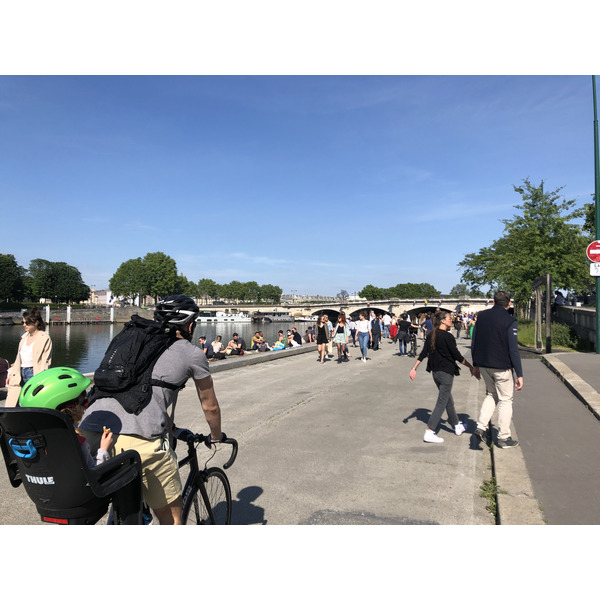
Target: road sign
[[593, 251], [595, 269]]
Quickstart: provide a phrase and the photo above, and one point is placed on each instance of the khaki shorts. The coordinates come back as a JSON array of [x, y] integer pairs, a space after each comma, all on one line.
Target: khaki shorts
[[161, 483]]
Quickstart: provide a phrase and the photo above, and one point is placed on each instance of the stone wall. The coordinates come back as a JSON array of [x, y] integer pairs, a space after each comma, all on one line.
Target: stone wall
[[83, 315], [582, 320]]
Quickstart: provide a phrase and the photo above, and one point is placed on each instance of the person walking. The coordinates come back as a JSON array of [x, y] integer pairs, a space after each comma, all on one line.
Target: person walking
[[34, 355], [363, 329], [341, 333], [375, 333], [393, 328], [495, 353], [442, 356], [403, 334], [352, 326], [330, 332], [458, 324], [322, 337]]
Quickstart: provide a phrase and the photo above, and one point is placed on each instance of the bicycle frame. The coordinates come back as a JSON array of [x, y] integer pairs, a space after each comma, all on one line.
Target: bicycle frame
[[197, 476]]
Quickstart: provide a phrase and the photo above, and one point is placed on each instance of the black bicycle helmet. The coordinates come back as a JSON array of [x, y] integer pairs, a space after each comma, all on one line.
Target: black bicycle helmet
[[176, 312]]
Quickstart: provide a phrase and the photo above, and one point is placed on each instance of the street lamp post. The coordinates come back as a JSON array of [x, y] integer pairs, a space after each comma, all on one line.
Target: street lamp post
[[597, 201]]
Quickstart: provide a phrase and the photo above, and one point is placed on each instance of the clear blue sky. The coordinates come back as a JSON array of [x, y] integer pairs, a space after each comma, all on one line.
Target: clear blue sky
[[312, 183]]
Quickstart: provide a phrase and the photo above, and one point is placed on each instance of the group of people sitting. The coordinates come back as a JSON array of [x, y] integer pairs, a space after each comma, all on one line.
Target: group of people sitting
[[216, 350]]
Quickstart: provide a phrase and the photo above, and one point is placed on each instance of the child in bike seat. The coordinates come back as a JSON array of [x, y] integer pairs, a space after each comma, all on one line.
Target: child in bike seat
[[64, 389]]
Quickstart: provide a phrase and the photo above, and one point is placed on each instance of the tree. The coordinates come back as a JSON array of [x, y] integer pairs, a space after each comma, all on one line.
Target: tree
[[160, 275], [206, 288], [11, 278], [370, 292], [271, 293], [57, 281], [343, 295], [185, 287], [589, 225], [462, 289], [541, 240], [69, 286], [42, 278], [251, 292], [129, 279]]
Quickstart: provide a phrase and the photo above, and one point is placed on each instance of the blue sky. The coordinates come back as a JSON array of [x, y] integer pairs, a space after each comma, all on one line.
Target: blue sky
[[312, 183]]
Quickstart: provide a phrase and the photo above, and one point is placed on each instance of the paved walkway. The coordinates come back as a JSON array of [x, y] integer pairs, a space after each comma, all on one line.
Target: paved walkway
[[342, 444]]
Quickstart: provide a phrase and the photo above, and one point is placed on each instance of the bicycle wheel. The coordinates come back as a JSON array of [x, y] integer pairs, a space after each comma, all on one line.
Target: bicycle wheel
[[210, 500]]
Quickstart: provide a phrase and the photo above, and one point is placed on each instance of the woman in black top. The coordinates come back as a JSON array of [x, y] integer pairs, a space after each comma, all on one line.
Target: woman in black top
[[440, 348], [322, 337]]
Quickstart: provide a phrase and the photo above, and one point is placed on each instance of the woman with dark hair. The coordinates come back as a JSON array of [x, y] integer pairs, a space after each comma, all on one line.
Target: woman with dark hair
[[322, 337], [33, 356], [403, 334], [440, 348], [363, 329], [341, 334]]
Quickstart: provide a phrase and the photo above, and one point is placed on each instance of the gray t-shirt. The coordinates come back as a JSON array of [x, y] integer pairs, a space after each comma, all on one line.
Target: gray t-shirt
[[180, 362]]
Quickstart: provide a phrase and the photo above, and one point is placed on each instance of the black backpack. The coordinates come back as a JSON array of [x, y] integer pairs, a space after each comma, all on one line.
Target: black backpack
[[125, 372]]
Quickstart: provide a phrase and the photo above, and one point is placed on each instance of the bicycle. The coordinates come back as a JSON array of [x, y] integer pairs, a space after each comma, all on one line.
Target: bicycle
[[207, 492]]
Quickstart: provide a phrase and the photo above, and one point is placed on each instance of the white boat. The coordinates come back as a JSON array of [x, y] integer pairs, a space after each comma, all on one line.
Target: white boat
[[219, 316], [307, 319], [272, 316]]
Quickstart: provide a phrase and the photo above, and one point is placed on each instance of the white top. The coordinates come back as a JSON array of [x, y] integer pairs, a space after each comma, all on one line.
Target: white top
[[26, 355], [363, 326]]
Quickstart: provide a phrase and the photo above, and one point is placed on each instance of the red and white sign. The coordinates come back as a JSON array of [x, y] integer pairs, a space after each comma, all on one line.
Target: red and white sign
[[593, 251]]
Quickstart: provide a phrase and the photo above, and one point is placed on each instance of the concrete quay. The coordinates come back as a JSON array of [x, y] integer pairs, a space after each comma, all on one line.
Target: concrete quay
[[341, 444]]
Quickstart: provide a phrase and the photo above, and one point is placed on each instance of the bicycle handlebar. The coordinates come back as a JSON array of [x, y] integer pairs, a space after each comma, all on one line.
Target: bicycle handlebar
[[187, 436]]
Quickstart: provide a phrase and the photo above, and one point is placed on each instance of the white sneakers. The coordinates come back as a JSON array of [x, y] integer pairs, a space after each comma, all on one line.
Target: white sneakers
[[431, 437]]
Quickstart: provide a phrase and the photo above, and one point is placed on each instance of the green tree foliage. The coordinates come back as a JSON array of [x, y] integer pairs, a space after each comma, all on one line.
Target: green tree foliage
[[69, 286], [271, 293], [589, 224], [206, 288], [400, 290], [42, 278], [541, 239], [186, 287], [160, 275], [462, 289], [129, 279], [371, 292], [11, 278], [57, 281]]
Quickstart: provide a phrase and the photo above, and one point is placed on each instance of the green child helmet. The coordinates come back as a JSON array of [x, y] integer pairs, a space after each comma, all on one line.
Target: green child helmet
[[53, 387]]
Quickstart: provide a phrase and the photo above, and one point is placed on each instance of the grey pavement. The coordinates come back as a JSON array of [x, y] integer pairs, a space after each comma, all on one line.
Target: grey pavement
[[556, 421], [342, 444]]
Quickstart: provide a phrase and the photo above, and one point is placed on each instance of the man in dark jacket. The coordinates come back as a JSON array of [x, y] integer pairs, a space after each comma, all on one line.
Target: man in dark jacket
[[495, 353]]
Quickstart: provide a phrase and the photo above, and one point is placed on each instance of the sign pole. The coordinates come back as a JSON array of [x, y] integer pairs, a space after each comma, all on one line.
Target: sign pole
[[597, 200]]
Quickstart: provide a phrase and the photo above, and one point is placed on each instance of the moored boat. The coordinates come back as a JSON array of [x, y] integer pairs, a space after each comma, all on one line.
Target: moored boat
[[219, 316], [272, 316]]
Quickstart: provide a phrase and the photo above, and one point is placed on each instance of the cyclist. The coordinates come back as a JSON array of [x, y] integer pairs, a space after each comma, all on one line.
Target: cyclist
[[148, 431], [63, 389]]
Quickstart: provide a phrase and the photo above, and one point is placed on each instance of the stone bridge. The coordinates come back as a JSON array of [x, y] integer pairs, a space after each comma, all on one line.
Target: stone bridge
[[398, 306]]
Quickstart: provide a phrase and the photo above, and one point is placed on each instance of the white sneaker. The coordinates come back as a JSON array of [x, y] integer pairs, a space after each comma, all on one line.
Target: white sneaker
[[430, 436], [459, 429]]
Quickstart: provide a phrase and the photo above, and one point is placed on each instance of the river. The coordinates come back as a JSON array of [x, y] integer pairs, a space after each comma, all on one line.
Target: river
[[83, 346]]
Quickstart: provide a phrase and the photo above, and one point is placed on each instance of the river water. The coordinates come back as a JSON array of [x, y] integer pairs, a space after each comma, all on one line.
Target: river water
[[83, 346]]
